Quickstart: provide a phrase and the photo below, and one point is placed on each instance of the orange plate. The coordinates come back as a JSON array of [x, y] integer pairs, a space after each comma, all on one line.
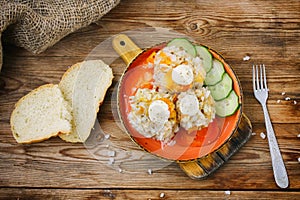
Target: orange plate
[[187, 146]]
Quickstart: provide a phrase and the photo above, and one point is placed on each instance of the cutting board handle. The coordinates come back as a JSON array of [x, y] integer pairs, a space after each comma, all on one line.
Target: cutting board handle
[[126, 48], [202, 167]]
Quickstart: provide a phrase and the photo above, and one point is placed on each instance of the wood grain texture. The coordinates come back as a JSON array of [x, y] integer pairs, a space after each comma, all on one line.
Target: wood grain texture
[[267, 31], [108, 194]]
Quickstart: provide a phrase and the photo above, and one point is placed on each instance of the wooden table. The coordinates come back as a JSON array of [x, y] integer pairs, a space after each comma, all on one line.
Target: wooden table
[[266, 31]]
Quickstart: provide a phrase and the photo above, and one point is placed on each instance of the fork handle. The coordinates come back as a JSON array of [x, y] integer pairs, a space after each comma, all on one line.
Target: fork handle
[[279, 170]]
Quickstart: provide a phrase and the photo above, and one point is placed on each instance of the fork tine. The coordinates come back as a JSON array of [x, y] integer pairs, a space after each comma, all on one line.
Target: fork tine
[[261, 77], [258, 87], [253, 77], [265, 77]]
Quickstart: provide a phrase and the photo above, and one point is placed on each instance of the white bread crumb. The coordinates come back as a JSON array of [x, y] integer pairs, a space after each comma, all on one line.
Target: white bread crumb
[[227, 192], [162, 195], [111, 161], [111, 153], [262, 135], [246, 58]]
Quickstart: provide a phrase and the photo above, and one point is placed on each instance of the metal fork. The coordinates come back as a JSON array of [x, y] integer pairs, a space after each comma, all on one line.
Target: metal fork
[[261, 94]]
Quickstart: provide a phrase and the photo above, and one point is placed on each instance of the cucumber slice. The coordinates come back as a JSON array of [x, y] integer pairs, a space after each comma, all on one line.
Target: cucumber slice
[[215, 74], [222, 89], [205, 56], [227, 106], [185, 44]]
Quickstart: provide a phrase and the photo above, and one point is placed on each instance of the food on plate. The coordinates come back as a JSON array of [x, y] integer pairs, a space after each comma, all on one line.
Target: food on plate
[[221, 89], [176, 71], [195, 108], [227, 106], [215, 73], [184, 44], [205, 56], [68, 109], [40, 114], [188, 88], [153, 114]]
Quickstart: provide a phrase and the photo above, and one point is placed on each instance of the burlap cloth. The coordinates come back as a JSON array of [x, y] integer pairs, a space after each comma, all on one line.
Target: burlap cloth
[[38, 24]]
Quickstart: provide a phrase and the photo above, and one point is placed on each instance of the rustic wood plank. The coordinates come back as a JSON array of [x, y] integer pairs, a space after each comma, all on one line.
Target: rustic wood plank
[[19, 193]]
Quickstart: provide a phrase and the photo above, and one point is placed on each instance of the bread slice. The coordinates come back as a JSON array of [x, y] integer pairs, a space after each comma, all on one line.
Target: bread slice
[[84, 86], [40, 114]]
